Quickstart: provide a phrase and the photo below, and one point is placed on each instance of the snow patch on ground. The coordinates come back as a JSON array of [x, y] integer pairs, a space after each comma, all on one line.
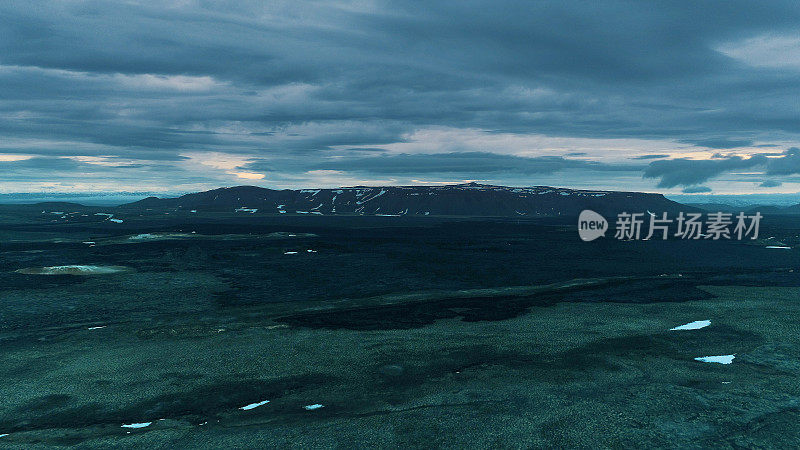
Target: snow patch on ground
[[254, 405], [696, 325], [720, 359], [137, 425], [313, 407], [360, 202]]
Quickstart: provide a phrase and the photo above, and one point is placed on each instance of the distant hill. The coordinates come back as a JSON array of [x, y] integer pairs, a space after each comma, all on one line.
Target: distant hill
[[717, 207], [469, 199], [763, 209]]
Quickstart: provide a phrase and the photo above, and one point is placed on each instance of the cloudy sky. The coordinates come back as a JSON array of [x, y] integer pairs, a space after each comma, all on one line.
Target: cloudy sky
[[176, 96]]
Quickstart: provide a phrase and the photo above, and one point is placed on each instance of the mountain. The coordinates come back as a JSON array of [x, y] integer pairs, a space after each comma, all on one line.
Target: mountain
[[749, 209], [793, 210], [469, 199], [716, 207]]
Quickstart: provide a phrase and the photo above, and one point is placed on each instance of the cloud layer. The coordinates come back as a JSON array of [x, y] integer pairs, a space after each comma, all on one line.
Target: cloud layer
[[191, 94]]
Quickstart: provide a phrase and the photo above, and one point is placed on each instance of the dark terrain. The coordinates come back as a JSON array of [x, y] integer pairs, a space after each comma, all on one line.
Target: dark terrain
[[467, 200], [451, 332]]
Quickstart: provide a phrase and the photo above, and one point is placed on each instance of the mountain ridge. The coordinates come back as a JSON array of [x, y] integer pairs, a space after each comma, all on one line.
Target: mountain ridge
[[468, 199]]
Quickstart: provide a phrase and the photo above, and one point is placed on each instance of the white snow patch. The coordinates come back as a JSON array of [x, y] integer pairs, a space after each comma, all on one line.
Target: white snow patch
[[116, 220], [250, 210], [383, 191], [137, 425], [778, 246], [96, 328], [289, 253], [72, 270], [720, 359], [254, 405], [143, 236], [311, 251], [313, 407], [696, 325], [3, 435]]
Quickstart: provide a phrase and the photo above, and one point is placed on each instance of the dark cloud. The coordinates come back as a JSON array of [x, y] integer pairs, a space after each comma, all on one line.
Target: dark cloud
[[288, 82], [462, 163], [688, 172], [785, 165], [721, 143], [652, 156], [48, 164], [696, 189], [52, 170]]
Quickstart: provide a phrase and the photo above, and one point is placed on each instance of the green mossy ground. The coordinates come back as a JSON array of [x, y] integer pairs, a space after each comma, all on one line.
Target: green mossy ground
[[383, 328]]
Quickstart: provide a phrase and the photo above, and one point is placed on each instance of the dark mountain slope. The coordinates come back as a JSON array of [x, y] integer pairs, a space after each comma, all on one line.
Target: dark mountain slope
[[452, 200]]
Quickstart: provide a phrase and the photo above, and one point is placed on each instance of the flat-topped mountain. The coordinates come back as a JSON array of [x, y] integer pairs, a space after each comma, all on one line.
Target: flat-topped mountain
[[469, 199]]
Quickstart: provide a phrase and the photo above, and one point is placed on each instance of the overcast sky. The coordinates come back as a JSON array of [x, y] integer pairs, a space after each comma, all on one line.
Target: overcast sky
[[179, 96]]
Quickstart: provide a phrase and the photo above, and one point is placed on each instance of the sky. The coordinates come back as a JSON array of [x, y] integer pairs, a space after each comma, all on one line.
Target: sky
[[177, 96]]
